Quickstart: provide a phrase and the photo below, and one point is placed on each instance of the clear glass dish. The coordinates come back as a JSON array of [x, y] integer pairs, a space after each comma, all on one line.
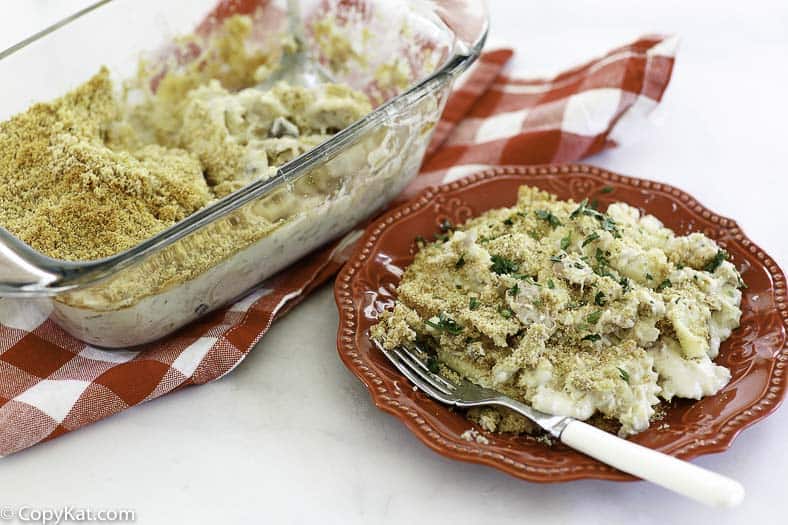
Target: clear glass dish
[[404, 54]]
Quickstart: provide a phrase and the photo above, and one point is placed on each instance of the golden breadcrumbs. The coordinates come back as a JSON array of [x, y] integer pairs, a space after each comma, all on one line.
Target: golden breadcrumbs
[[64, 192], [90, 174]]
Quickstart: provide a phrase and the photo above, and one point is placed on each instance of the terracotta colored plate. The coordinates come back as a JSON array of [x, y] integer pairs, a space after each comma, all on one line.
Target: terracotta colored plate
[[756, 353]]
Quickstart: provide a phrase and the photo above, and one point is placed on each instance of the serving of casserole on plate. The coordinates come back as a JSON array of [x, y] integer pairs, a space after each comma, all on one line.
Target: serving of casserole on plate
[[647, 317]]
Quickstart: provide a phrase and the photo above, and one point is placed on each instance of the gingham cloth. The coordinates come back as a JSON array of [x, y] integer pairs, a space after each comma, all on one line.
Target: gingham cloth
[[51, 383]]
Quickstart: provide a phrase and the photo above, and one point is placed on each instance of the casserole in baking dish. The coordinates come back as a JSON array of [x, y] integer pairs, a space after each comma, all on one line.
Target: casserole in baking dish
[[402, 54]]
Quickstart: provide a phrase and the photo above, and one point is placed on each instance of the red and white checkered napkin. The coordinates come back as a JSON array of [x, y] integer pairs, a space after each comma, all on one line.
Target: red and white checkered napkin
[[51, 383]]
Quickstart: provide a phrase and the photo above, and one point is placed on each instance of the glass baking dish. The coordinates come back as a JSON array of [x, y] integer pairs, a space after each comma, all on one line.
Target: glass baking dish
[[404, 54]]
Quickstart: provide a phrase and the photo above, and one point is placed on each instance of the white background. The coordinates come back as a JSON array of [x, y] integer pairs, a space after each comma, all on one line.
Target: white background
[[292, 437]]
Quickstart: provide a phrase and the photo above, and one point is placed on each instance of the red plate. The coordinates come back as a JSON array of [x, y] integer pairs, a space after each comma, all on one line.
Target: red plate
[[755, 353]]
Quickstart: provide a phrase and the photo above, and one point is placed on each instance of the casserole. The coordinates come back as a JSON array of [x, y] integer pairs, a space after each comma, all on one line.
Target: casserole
[[573, 309], [403, 54]]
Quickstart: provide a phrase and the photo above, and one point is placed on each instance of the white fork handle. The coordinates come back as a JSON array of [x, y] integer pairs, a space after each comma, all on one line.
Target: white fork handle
[[674, 474]]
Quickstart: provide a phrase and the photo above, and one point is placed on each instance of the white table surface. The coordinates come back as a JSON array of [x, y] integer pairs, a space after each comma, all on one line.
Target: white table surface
[[292, 437]]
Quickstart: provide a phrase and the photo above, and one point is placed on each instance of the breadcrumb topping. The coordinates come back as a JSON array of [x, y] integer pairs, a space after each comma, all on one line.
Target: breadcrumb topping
[[64, 192], [95, 172]]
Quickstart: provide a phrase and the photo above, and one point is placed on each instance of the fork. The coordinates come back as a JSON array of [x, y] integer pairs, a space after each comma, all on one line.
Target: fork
[[671, 473]]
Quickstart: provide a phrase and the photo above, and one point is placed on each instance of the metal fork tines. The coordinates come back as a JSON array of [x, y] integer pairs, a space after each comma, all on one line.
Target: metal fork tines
[[420, 375], [464, 393]]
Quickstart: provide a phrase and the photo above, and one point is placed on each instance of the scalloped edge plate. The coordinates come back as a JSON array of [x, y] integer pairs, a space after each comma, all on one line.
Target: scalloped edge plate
[[756, 352]]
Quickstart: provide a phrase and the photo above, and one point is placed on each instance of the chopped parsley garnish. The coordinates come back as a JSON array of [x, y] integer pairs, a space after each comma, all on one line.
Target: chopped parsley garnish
[[420, 241], [602, 263], [591, 238], [502, 265], [508, 222], [514, 290], [550, 284], [445, 324], [607, 189], [566, 241], [664, 284], [473, 303], [624, 282], [599, 299], [649, 277], [534, 235], [609, 224], [715, 263], [432, 364], [548, 216], [594, 204], [435, 325], [579, 210], [604, 272], [585, 208], [505, 313], [446, 226], [601, 257], [594, 317], [442, 237], [623, 373], [591, 337], [460, 262], [557, 258], [591, 212]]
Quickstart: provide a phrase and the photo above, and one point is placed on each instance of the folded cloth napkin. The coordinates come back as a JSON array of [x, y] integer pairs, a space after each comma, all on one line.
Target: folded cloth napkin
[[51, 383]]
